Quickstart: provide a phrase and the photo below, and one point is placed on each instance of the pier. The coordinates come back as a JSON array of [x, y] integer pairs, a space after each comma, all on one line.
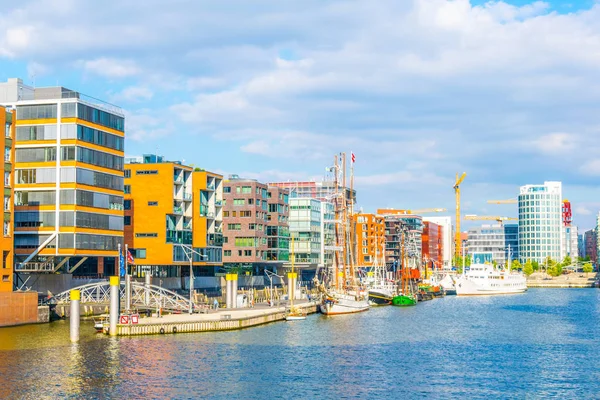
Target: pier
[[213, 320]]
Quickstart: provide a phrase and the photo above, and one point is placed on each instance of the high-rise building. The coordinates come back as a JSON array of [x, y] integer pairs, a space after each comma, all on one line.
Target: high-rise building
[[540, 222], [590, 239], [581, 245], [446, 238], [170, 210], [411, 226], [370, 239], [6, 242], [432, 245], [255, 225], [494, 240], [570, 245], [68, 180]]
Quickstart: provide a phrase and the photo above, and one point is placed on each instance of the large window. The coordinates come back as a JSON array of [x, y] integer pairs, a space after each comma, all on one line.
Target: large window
[[36, 154], [99, 158], [100, 179], [99, 117], [35, 198], [34, 219], [36, 175], [100, 138], [36, 112], [37, 132], [97, 242]]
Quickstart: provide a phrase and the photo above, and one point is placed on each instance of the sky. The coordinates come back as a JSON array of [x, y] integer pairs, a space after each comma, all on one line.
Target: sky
[[419, 90]]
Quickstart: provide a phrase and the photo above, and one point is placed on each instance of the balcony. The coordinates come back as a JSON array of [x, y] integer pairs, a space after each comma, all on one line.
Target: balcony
[[187, 226], [210, 187], [219, 203], [177, 210], [214, 239], [178, 180], [187, 197]]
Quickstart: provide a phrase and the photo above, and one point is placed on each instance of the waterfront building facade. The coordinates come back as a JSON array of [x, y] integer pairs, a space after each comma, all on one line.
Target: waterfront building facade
[[68, 214], [581, 245], [323, 191], [7, 121], [255, 225], [540, 222], [432, 245], [395, 225], [446, 238], [569, 242], [590, 239], [370, 239], [494, 239], [170, 209]]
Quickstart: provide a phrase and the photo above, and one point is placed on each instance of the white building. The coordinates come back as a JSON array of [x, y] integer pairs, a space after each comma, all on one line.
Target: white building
[[540, 222], [446, 224], [569, 243]]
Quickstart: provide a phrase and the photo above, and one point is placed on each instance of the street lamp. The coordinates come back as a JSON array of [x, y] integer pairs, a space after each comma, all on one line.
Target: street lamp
[[270, 276], [190, 255]]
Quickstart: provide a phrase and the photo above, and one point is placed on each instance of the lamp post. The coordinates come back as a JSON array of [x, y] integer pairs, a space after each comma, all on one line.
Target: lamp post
[[270, 276], [189, 253]]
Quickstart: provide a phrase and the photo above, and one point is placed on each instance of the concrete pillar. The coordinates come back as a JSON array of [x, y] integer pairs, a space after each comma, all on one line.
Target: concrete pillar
[[114, 305], [127, 293], [74, 318], [292, 277], [231, 290], [147, 283], [234, 289]]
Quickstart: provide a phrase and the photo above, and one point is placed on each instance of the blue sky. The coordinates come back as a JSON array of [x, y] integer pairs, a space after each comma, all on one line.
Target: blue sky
[[418, 89]]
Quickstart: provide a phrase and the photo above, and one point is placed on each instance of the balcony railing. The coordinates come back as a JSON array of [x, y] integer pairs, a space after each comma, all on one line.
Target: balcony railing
[[218, 203], [214, 239], [177, 210], [210, 187], [187, 196], [178, 180]]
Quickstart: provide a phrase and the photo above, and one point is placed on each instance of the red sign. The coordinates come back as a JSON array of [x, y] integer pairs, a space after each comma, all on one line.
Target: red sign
[[135, 318], [124, 319]]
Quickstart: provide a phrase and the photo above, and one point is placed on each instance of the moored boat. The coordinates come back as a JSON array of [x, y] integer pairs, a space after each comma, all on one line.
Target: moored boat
[[342, 303], [404, 301], [484, 279]]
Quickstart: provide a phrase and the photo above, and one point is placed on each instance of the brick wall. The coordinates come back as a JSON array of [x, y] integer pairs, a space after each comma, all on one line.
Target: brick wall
[[18, 308]]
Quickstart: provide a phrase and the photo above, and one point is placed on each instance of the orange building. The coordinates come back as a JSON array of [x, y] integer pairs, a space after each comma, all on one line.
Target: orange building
[[169, 209], [7, 120], [432, 245], [370, 238]]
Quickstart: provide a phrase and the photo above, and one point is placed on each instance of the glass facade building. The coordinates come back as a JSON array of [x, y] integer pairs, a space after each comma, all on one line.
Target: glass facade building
[[540, 222]]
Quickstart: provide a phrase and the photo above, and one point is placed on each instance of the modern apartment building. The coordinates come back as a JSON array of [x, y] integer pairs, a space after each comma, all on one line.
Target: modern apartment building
[[7, 119], [411, 226], [370, 239], [68, 180], [540, 222], [171, 209], [255, 225], [570, 245], [590, 239], [432, 245], [496, 240], [305, 227], [446, 238]]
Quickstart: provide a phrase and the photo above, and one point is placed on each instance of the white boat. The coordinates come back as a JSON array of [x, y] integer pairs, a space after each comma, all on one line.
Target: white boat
[[343, 303], [484, 279], [448, 282]]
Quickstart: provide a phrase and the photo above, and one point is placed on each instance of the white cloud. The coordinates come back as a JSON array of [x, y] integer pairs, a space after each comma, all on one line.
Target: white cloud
[[144, 125], [111, 68], [133, 94], [591, 167]]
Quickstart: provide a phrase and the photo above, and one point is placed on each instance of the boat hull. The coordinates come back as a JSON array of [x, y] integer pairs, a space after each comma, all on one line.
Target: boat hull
[[337, 305], [380, 297], [404, 301], [466, 287]]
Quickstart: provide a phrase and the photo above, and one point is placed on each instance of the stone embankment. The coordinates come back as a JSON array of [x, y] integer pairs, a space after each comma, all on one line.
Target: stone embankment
[[573, 280]]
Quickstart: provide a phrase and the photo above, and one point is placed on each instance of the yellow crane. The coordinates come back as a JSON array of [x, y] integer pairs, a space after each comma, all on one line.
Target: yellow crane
[[458, 244], [509, 201], [392, 211], [489, 218]]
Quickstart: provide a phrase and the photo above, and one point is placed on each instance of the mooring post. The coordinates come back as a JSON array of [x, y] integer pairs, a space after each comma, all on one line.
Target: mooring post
[[75, 296], [114, 305]]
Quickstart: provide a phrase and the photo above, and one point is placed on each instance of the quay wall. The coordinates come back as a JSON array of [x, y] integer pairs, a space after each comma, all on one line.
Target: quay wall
[[18, 308]]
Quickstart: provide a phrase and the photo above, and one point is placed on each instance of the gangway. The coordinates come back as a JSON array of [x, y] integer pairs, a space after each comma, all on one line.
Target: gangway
[[142, 296]]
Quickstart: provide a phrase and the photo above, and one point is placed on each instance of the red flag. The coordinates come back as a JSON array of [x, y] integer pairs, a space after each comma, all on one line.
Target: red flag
[[130, 259], [353, 158]]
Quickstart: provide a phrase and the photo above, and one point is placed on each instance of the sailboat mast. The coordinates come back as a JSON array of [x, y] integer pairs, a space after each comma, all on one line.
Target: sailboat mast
[[336, 213], [293, 290], [344, 218], [353, 238]]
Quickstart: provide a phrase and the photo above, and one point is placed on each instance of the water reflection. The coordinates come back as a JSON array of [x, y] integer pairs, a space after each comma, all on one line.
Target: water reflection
[[542, 343]]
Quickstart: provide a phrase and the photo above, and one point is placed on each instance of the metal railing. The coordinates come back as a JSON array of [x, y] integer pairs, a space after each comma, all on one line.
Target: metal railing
[[35, 267]]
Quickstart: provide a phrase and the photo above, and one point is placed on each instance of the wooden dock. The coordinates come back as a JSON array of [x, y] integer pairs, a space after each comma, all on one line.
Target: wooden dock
[[217, 320]]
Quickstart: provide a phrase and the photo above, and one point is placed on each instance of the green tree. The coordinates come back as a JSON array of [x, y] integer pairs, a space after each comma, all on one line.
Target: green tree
[[587, 268], [494, 263], [516, 265], [555, 270], [567, 261], [534, 265], [528, 268]]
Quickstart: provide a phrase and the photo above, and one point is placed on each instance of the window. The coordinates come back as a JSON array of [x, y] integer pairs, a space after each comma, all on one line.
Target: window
[[5, 278], [7, 179], [127, 204], [226, 189], [6, 203], [140, 253], [36, 112], [245, 214], [225, 214], [7, 131], [127, 173], [127, 220], [250, 201], [246, 189], [6, 228], [5, 255], [33, 154], [234, 227], [96, 116], [100, 138], [153, 203], [127, 189], [7, 154], [247, 253], [239, 202], [227, 253]]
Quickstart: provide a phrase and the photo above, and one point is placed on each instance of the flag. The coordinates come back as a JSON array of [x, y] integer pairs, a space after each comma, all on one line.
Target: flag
[[130, 258], [122, 271], [353, 157]]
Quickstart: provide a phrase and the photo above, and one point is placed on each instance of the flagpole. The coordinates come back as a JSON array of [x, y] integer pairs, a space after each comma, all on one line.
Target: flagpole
[[118, 272], [126, 260]]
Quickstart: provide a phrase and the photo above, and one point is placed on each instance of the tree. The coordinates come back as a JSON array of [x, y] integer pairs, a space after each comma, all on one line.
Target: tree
[[567, 261], [528, 268], [555, 270], [534, 265], [587, 268], [494, 263], [516, 265]]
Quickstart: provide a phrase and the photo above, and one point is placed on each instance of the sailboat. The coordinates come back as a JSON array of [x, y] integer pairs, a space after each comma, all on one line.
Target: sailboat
[[294, 313], [381, 290], [342, 294], [406, 298]]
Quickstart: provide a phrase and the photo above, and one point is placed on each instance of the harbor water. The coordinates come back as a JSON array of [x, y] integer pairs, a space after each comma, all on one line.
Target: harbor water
[[540, 344]]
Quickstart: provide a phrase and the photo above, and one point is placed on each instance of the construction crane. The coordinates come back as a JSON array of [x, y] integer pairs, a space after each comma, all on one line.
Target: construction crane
[[509, 201], [490, 218], [392, 211], [458, 244]]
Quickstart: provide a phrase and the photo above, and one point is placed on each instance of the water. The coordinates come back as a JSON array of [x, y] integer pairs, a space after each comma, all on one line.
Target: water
[[544, 343]]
